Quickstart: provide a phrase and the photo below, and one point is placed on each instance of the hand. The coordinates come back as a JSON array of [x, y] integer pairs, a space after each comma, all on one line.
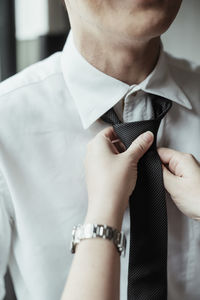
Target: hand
[[182, 180], [111, 172]]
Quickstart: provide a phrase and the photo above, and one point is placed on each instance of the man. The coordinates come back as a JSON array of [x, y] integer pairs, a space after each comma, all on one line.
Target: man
[[113, 58]]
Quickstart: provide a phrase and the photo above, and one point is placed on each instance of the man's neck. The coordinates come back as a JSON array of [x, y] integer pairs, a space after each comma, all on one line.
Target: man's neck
[[128, 63]]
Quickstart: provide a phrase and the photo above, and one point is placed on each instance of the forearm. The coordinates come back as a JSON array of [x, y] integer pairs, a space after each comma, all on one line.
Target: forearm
[[95, 270]]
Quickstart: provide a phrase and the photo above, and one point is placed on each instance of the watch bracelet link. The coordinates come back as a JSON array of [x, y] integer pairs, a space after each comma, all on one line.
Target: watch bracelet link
[[87, 231]]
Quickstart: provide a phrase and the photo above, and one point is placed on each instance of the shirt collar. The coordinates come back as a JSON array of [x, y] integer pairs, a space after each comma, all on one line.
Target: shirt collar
[[95, 92]]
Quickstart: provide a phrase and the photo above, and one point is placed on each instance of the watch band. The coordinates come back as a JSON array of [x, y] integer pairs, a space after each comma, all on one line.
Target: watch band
[[88, 231]]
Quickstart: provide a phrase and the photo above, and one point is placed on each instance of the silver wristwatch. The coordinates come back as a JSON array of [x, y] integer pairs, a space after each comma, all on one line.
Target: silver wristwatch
[[88, 231]]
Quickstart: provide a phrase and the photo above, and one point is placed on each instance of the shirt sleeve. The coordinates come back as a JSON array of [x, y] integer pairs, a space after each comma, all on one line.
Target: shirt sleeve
[[6, 221]]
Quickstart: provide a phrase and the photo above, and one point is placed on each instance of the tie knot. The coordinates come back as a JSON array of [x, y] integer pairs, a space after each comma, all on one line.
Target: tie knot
[[127, 132]]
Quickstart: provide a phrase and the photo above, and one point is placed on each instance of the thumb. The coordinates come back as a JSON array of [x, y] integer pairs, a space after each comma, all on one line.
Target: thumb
[[170, 181], [140, 145]]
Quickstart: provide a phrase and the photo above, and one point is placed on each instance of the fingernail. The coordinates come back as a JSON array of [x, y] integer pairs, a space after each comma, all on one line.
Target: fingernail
[[148, 136], [123, 146]]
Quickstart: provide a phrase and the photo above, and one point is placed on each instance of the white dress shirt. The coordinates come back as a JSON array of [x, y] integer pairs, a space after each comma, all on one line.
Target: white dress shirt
[[48, 114]]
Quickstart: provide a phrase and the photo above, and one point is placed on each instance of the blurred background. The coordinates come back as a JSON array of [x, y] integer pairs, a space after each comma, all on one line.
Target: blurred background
[[31, 30]]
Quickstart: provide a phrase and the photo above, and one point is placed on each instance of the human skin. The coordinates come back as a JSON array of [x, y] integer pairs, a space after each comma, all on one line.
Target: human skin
[[121, 38], [181, 173]]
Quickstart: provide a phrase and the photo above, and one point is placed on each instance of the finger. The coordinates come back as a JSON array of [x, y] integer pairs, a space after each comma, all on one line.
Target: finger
[[179, 163], [109, 133], [140, 145], [170, 181], [120, 146], [105, 138], [167, 154]]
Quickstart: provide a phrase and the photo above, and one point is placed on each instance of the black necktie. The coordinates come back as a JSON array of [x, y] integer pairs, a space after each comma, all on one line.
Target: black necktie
[[147, 276]]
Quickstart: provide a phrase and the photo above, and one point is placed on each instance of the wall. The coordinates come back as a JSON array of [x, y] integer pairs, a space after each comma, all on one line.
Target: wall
[[36, 19], [183, 37]]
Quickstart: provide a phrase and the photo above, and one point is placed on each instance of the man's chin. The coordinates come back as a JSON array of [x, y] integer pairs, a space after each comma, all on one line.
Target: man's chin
[[147, 3], [144, 31]]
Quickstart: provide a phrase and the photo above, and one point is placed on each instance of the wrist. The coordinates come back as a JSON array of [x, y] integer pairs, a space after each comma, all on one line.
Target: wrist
[[107, 209], [111, 219]]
